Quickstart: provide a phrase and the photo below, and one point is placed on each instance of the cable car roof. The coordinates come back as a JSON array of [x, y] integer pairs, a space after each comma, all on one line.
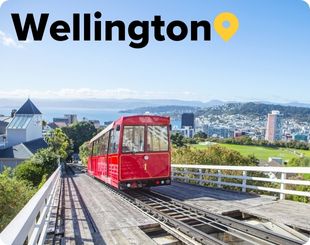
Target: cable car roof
[[103, 132]]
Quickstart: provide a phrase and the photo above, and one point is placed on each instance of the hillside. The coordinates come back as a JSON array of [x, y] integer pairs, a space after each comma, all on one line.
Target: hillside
[[162, 109], [248, 109], [257, 109]]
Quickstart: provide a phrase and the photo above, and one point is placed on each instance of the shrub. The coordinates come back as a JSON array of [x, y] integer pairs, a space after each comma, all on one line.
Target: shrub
[[14, 194], [29, 172]]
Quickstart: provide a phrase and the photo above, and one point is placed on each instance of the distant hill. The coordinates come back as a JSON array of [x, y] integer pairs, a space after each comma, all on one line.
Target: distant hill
[[169, 109], [250, 109], [290, 110], [117, 104], [258, 109]]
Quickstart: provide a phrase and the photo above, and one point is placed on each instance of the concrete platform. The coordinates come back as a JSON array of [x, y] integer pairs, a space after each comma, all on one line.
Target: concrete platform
[[220, 201], [105, 219]]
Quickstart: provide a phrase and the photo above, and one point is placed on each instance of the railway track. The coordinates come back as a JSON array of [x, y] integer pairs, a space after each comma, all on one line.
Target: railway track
[[204, 227], [199, 225]]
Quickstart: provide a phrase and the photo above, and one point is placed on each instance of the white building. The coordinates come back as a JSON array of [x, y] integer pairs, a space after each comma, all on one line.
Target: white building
[[25, 126], [187, 132], [23, 136], [274, 127]]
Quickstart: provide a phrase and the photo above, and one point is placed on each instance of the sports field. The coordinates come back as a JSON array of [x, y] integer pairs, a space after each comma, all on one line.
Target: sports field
[[262, 153]]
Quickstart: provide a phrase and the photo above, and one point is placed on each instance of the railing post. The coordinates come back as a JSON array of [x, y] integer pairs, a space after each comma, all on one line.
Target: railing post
[[219, 178], [282, 186], [200, 177], [244, 175], [186, 175], [172, 173]]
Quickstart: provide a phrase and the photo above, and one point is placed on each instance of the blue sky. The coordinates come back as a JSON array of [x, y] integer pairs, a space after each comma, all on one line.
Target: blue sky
[[267, 59]]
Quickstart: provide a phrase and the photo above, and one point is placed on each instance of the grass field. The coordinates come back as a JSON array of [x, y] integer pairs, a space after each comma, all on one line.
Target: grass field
[[262, 153]]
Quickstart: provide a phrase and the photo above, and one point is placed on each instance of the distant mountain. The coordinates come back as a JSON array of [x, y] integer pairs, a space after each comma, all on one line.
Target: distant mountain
[[297, 104], [152, 105], [168, 109], [258, 109], [117, 104]]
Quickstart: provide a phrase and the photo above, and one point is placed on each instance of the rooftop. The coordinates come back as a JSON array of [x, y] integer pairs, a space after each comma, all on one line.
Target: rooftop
[[23, 150], [28, 109], [20, 122]]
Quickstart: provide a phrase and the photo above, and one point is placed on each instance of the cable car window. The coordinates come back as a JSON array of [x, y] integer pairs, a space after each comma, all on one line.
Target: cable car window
[[133, 139], [114, 141], [157, 138], [96, 149], [104, 140]]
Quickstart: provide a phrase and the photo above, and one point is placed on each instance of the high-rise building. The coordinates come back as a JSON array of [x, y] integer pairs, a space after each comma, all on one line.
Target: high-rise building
[[188, 120], [72, 118], [274, 127]]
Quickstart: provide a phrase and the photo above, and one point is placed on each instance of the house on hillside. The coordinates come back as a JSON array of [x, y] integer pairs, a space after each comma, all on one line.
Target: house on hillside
[[4, 122], [23, 136], [25, 126], [12, 156]]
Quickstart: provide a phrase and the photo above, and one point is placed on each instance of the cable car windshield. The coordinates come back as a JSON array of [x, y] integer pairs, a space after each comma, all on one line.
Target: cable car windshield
[[157, 138], [133, 139]]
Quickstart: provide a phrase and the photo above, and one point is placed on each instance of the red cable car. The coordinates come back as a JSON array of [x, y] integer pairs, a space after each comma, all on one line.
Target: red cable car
[[132, 152]]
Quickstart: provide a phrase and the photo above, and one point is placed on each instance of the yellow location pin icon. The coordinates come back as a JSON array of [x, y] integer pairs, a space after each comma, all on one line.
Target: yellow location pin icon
[[226, 32]]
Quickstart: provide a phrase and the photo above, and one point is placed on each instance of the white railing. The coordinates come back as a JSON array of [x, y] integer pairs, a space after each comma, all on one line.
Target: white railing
[[200, 174], [30, 224]]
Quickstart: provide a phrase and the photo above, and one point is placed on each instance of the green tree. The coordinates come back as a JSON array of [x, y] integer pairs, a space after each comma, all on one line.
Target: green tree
[[47, 159], [14, 194], [42, 163], [79, 133], [299, 162], [201, 135], [59, 142], [177, 140], [29, 172], [85, 152], [214, 155]]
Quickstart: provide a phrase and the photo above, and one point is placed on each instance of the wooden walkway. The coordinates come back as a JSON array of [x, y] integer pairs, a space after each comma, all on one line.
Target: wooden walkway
[[105, 219], [294, 214], [91, 214]]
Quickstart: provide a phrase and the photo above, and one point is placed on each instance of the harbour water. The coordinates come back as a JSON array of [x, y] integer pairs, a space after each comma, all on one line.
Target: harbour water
[[103, 115]]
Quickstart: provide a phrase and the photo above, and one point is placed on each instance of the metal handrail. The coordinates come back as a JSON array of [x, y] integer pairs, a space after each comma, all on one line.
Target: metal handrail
[[296, 170], [29, 225], [199, 172]]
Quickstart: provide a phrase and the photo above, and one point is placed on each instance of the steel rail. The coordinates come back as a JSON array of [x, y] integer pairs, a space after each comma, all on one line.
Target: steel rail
[[229, 222], [251, 234], [202, 220], [168, 211]]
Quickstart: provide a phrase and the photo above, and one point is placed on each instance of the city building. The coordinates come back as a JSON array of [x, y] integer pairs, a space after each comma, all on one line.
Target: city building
[[219, 132], [187, 132], [61, 122], [274, 127], [301, 137], [23, 136], [72, 118], [239, 133], [278, 160], [96, 123], [4, 122], [25, 126], [188, 120]]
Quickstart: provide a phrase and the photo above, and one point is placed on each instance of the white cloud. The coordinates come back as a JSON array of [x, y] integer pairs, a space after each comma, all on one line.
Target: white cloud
[[8, 41], [5, 39], [306, 1], [87, 93], [2, 1]]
